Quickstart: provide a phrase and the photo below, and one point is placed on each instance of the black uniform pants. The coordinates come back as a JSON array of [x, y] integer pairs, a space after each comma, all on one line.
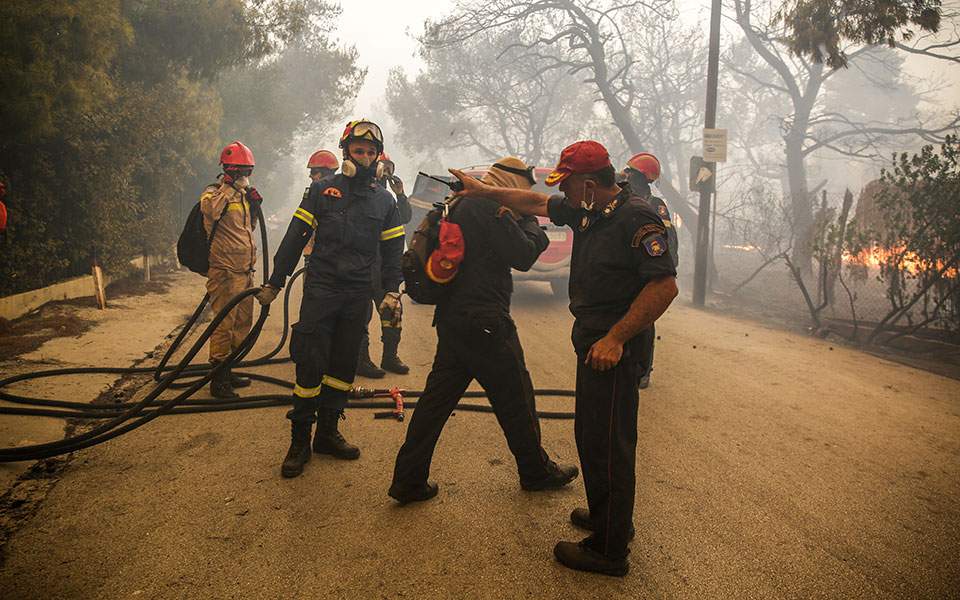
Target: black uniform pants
[[606, 434], [648, 338], [324, 346], [488, 350]]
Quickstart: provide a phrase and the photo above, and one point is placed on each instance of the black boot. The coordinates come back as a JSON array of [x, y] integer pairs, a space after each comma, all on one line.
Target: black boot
[[236, 381], [406, 495], [365, 366], [555, 477], [328, 439], [299, 452], [391, 362], [220, 384], [582, 558]]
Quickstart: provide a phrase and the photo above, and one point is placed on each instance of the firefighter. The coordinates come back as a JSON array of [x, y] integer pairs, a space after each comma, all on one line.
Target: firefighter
[[354, 219], [233, 255], [622, 279], [322, 163], [390, 325], [477, 339], [642, 170]]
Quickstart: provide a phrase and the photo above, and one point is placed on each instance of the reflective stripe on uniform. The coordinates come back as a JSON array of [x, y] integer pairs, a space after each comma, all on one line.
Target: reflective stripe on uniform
[[305, 216], [389, 234], [236, 206], [302, 392], [337, 384]]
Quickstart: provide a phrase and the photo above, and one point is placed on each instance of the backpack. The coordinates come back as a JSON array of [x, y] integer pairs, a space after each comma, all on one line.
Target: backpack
[[418, 284], [193, 246]]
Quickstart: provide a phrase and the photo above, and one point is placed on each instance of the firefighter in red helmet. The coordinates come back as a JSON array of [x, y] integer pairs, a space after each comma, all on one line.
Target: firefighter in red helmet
[[231, 202], [642, 170], [321, 164], [354, 220]]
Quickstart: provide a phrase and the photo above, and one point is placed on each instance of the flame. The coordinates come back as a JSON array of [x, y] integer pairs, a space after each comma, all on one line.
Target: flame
[[877, 256]]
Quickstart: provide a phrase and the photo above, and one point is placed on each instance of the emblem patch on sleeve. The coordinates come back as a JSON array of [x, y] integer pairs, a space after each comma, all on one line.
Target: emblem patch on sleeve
[[332, 191], [644, 231], [662, 211], [654, 244]]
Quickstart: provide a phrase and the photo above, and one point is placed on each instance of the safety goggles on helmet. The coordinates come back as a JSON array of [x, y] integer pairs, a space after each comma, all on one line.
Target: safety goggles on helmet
[[528, 173], [362, 130]]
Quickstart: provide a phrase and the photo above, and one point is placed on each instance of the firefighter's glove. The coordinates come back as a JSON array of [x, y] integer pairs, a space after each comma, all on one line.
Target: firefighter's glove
[[253, 195], [266, 295], [391, 310], [396, 184]]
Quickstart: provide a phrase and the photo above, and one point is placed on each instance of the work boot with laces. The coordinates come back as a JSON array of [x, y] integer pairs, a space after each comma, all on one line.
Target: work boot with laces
[[328, 439], [391, 362], [220, 384], [365, 366], [299, 452]]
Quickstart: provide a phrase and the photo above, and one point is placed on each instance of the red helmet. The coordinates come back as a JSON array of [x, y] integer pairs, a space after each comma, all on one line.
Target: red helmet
[[323, 159], [236, 154], [362, 130], [647, 164]]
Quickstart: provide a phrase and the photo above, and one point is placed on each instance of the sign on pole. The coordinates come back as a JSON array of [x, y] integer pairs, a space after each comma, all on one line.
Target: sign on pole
[[715, 145]]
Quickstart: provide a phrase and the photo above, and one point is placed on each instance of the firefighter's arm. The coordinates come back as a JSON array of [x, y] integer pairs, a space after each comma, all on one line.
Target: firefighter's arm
[[650, 303], [391, 248], [524, 202], [301, 228], [519, 243]]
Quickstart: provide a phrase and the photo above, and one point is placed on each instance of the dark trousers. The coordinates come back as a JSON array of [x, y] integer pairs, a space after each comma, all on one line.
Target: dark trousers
[[324, 346], [648, 338], [606, 433], [488, 350]]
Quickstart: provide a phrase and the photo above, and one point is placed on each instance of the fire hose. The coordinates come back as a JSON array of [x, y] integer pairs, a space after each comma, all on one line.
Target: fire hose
[[115, 419]]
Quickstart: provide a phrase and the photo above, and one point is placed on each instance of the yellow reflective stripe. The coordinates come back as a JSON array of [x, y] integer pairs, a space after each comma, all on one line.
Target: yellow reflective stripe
[[302, 392], [389, 234], [306, 217], [337, 384], [236, 206]]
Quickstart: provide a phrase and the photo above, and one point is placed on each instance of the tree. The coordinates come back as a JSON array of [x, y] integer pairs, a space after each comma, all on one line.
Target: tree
[[504, 106], [817, 30], [811, 126], [918, 240], [596, 40]]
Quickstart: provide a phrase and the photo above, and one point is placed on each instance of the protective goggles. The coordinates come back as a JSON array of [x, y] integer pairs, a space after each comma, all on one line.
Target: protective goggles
[[528, 172], [362, 130]]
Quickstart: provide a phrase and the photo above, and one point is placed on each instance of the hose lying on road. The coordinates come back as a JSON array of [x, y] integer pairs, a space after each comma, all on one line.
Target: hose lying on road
[[122, 417]]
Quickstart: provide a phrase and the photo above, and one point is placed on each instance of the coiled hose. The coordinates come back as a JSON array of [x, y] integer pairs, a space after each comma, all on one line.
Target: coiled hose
[[120, 418]]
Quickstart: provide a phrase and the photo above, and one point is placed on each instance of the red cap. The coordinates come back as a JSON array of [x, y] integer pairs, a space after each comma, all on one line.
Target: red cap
[[444, 262], [585, 156]]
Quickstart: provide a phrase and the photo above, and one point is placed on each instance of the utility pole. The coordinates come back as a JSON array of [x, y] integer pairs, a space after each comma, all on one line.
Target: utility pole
[[709, 122]]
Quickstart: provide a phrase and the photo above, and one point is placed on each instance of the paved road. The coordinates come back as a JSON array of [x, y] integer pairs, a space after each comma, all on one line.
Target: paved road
[[771, 465]]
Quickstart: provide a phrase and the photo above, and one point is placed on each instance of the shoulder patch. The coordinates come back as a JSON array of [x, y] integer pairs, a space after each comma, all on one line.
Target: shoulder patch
[[332, 191], [662, 211], [654, 244], [644, 231]]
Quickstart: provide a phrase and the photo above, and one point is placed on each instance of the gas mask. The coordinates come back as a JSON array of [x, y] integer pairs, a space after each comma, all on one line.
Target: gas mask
[[356, 169]]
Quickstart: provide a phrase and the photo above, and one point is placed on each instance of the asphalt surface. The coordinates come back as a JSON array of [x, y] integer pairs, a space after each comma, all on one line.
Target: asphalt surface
[[770, 465]]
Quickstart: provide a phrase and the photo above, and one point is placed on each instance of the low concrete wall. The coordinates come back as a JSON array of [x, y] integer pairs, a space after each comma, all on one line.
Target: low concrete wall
[[13, 307]]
